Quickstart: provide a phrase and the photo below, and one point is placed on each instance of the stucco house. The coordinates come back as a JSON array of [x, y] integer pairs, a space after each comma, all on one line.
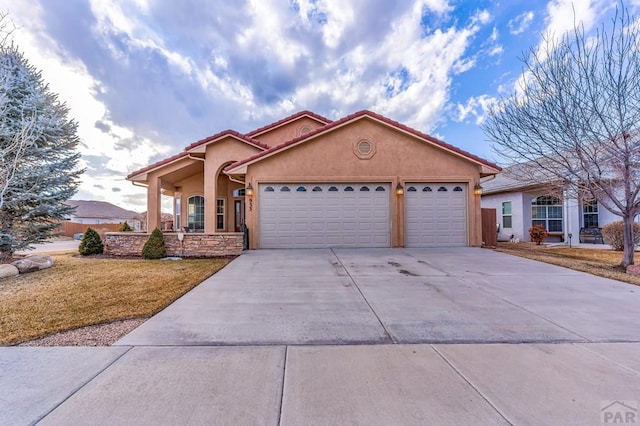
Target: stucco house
[[520, 204], [308, 182]]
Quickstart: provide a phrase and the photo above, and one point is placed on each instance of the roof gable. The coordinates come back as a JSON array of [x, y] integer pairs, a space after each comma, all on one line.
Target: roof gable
[[198, 147], [226, 133], [354, 117], [294, 117]]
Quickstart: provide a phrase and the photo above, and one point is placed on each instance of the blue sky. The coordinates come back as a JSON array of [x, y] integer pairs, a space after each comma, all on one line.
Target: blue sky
[[145, 78]]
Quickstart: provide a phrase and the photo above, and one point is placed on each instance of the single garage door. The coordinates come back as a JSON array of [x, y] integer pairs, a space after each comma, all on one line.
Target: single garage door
[[436, 214], [297, 215]]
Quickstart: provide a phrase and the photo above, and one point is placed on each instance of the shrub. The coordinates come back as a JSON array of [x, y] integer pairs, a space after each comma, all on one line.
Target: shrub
[[154, 247], [125, 227], [90, 243], [613, 234], [537, 234]]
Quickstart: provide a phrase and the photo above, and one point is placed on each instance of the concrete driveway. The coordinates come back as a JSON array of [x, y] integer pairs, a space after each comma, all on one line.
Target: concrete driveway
[[385, 296], [362, 337]]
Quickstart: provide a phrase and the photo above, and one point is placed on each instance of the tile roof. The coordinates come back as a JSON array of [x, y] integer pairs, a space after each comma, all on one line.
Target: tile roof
[[354, 116], [224, 133], [285, 120], [204, 141], [100, 209], [158, 164]]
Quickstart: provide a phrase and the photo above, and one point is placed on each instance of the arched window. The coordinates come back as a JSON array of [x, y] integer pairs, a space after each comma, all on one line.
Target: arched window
[[547, 211], [348, 189], [457, 189], [380, 189], [269, 189], [364, 188], [442, 189], [411, 189], [317, 189], [195, 213], [301, 189], [427, 189], [333, 189]]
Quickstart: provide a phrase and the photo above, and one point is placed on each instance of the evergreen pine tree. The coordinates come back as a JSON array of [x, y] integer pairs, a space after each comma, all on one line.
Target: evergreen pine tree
[[125, 227], [90, 243], [38, 158], [154, 248]]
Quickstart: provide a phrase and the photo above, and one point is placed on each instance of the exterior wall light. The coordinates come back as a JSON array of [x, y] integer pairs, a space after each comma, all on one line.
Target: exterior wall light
[[249, 190], [399, 189], [477, 190]]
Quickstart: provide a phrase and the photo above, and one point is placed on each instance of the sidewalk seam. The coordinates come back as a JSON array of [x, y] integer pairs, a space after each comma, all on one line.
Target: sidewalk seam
[[583, 347], [450, 364], [79, 388], [284, 374]]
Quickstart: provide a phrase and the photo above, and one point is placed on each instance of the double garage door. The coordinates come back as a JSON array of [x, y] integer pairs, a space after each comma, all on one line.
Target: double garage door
[[301, 215], [324, 215]]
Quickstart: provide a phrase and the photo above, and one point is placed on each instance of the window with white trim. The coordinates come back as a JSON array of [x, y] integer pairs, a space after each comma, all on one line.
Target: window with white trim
[[547, 211], [177, 214], [590, 214], [195, 213], [220, 214], [506, 215]]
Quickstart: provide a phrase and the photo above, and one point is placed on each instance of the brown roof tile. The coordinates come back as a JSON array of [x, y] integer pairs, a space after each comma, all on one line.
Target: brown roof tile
[[292, 117]]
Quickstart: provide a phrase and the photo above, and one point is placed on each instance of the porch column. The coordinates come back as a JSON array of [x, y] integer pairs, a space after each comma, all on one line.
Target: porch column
[[153, 203], [210, 194]]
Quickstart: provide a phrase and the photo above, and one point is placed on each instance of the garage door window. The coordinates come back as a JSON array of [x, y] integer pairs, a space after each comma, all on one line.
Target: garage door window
[[427, 189]]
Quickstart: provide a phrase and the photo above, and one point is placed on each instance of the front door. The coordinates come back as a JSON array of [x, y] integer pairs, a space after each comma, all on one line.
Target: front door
[[238, 209]]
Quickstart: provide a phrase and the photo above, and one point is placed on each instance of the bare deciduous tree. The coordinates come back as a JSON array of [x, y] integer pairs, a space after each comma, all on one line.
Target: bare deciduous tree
[[574, 119]]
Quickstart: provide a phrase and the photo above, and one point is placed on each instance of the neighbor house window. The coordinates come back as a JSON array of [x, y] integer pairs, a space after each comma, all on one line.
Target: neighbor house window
[[220, 210], [506, 215], [547, 211], [195, 213], [177, 214], [590, 214]]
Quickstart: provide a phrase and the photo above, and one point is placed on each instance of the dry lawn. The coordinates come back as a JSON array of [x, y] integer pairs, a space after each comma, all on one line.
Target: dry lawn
[[604, 263], [79, 291]]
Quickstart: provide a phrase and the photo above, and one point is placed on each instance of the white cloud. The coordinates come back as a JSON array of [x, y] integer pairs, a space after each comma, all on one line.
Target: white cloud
[[520, 23], [476, 108], [155, 75]]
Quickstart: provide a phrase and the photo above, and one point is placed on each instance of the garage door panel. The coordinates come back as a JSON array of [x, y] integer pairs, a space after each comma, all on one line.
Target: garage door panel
[[435, 217], [325, 215]]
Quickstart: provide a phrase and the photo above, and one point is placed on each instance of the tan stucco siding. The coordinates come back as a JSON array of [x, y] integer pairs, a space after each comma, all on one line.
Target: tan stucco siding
[[398, 158], [288, 131]]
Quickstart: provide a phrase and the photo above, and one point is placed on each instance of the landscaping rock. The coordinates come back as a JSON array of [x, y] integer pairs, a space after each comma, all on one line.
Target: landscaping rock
[[633, 269], [7, 271], [42, 260], [33, 263]]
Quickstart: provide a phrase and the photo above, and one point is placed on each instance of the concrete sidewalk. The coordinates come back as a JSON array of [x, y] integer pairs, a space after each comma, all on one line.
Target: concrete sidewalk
[[380, 336], [561, 384]]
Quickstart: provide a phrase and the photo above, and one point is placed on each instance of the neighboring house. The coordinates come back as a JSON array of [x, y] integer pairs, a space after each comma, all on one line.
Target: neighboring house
[[520, 205], [101, 212], [166, 223], [306, 181]]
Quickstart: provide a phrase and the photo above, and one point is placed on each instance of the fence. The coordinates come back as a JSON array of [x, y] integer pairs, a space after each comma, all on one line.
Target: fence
[[489, 228], [69, 229]]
